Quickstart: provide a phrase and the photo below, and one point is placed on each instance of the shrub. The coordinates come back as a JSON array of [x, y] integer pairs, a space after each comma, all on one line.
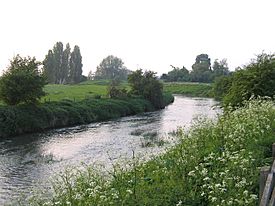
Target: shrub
[[255, 79], [22, 82]]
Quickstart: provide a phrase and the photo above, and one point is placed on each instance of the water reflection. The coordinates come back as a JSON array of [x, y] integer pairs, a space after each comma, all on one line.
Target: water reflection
[[29, 159]]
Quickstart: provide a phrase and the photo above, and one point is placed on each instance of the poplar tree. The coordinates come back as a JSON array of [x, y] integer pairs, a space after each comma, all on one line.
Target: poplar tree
[[58, 55], [49, 67], [76, 66], [64, 73], [63, 66]]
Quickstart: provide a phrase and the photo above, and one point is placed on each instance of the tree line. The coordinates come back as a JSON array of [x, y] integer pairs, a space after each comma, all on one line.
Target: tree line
[[24, 79], [62, 66], [201, 71]]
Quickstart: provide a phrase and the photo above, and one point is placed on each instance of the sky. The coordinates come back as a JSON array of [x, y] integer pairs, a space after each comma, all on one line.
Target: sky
[[146, 34]]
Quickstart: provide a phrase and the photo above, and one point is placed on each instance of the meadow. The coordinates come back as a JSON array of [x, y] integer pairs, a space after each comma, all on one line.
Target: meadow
[[217, 162], [75, 92], [89, 89], [189, 89]]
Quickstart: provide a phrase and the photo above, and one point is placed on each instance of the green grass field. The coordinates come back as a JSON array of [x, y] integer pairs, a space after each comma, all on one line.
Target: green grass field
[[77, 92], [73, 92], [92, 88], [189, 89]]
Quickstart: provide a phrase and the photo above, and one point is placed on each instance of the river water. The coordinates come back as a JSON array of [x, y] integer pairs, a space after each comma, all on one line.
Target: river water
[[26, 161]]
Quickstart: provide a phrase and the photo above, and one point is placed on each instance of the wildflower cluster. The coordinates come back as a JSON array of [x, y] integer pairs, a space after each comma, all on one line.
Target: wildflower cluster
[[228, 173]]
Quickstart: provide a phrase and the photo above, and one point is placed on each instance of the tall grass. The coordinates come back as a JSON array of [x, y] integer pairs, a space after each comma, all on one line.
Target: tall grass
[[15, 120], [214, 163]]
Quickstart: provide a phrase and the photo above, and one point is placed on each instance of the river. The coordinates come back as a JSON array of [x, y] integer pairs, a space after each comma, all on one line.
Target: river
[[29, 160]]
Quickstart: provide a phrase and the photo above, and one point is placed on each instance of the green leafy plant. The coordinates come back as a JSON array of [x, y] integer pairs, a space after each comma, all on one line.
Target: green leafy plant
[[22, 82]]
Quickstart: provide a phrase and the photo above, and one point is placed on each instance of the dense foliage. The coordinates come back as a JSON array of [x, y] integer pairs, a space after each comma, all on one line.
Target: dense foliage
[[201, 71], [215, 163], [115, 90], [29, 118], [176, 75], [254, 79], [63, 66], [111, 68], [22, 82], [147, 85]]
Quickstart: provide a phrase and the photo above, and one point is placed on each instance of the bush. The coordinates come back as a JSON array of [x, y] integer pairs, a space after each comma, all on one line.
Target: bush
[[147, 85], [255, 79], [22, 82]]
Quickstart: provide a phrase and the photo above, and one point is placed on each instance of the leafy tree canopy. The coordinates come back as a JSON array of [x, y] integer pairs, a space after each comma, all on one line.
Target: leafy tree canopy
[[254, 79], [62, 66], [22, 82], [201, 69], [220, 68], [147, 85], [176, 75], [112, 68]]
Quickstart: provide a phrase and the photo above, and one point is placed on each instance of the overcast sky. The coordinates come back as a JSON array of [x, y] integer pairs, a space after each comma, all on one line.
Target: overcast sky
[[147, 34]]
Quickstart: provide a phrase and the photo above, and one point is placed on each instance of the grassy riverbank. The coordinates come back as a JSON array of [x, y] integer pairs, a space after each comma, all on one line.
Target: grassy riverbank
[[216, 163], [76, 92], [189, 89], [15, 120], [90, 89]]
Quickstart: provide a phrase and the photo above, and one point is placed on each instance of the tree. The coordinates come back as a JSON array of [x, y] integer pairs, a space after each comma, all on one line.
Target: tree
[[220, 68], [255, 79], [58, 55], [114, 90], [201, 69], [76, 66], [111, 68], [62, 67], [65, 65], [90, 75], [178, 75], [49, 67], [147, 85], [22, 82], [136, 83]]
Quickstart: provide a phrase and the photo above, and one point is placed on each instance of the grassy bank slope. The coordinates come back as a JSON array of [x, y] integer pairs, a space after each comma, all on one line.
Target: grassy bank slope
[[76, 92], [189, 89], [216, 163], [15, 120]]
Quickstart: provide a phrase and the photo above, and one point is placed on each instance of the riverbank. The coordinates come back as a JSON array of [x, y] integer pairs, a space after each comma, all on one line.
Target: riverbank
[[16, 120], [90, 89], [189, 89], [216, 163]]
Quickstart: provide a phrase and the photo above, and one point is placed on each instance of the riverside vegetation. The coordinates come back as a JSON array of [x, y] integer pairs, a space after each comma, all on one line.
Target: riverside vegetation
[[23, 116], [65, 105], [21, 119], [189, 89], [216, 163]]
